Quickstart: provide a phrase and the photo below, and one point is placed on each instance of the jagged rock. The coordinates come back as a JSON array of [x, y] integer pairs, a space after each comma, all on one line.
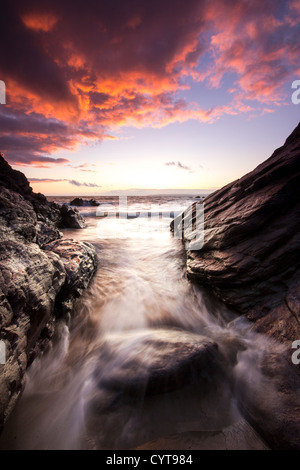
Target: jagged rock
[[29, 284], [71, 218], [251, 253], [17, 217], [36, 286], [80, 263]]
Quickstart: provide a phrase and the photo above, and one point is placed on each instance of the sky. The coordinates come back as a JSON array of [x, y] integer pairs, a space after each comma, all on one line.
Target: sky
[[108, 95]]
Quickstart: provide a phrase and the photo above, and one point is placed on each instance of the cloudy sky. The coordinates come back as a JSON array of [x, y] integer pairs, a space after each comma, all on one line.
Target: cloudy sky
[[104, 95]]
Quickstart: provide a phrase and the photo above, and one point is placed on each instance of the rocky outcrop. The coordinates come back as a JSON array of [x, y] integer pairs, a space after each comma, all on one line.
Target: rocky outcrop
[[79, 202], [251, 253], [49, 215], [41, 276]]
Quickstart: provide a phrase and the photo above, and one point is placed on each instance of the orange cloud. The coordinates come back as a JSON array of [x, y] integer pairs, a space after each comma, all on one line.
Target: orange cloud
[[40, 21], [98, 69]]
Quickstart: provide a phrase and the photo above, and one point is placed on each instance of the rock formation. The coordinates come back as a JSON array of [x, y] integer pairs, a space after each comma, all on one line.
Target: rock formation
[[250, 259], [78, 201], [251, 253], [40, 276]]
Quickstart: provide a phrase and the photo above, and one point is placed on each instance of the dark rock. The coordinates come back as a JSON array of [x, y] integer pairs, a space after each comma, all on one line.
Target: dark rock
[[94, 203], [270, 400], [50, 214], [153, 378], [29, 284], [79, 202], [36, 286], [251, 253], [17, 217], [149, 362], [71, 218]]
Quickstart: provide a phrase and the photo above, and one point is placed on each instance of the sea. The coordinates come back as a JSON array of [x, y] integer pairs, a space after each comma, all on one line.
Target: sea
[[140, 288]]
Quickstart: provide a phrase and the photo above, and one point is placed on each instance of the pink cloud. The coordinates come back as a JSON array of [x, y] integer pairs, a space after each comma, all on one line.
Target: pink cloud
[[81, 73]]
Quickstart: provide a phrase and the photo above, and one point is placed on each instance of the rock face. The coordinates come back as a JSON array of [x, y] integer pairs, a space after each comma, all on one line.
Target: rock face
[[40, 276], [251, 252]]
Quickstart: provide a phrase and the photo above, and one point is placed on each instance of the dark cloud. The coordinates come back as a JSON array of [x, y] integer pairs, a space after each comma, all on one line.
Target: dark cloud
[[75, 69], [57, 180], [88, 185], [45, 180], [29, 138], [178, 165]]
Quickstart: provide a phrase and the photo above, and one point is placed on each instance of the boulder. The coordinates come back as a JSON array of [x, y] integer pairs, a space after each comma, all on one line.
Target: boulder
[[149, 362], [250, 256], [70, 218], [79, 202]]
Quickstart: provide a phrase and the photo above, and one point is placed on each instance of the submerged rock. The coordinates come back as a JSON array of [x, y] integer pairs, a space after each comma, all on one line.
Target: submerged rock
[[36, 285], [145, 383], [251, 252], [270, 400], [149, 362], [79, 202]]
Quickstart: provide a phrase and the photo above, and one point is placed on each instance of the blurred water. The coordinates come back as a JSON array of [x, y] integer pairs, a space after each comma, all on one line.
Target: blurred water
[[140, 286]]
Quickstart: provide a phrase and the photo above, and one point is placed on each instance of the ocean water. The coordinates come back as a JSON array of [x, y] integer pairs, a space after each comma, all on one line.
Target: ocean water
[[140, 288]]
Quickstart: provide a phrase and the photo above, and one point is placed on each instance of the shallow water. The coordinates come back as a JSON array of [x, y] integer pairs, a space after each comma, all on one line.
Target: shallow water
[[140, 286]]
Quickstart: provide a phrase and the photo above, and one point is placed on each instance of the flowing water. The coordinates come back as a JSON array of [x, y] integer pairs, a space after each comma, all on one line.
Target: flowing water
[[139, 292]]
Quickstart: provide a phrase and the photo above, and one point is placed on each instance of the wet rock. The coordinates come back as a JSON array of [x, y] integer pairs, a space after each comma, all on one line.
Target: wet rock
[[149, 382], [149, 362], [79, 202], [36, 286], [29, 284], [251, 253], [70, 218], [18, 219], [80, 263], [269, 399]]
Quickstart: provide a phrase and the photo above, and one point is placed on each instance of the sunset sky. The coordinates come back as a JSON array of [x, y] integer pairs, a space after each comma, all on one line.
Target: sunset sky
[[108, 95]]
